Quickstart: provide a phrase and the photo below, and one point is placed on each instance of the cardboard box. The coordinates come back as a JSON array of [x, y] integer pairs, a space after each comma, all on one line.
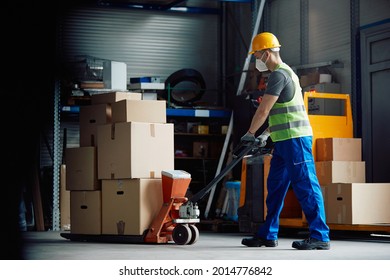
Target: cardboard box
[[200, 149], [329, 172], [135, 150], [149, 111], [115, 75], [64, 201], [112, 97], [309, 79], [86, 212], [304, 81], [200, 129], [129, 206], [339, 149], [81, 169], [89, 118], [358, 203]]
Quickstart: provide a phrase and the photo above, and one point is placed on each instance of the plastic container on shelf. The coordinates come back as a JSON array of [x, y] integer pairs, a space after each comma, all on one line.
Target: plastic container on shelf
[[233, 192]]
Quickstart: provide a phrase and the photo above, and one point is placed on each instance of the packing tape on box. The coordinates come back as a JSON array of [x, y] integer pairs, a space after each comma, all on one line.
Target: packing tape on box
[[152, 130]]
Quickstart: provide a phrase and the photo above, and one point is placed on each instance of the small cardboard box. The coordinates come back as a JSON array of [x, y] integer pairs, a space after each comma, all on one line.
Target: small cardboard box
[[339, 149], [201, 129], [81, 169], [358, 203], [149, 111], [129, 206], [90, 117], [329, 172], [86, 212], [311, 78], [115, 96], [135, 150]]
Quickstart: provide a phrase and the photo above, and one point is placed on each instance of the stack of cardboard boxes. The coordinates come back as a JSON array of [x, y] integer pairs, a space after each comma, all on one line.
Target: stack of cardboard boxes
[[342, 175], [115, 175]]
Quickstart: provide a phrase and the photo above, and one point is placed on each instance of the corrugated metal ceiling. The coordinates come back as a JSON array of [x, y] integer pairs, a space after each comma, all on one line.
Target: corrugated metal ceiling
[[162, 4]]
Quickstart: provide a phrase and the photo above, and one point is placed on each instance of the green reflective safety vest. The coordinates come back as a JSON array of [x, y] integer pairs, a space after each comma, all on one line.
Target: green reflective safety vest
[[289, 120]]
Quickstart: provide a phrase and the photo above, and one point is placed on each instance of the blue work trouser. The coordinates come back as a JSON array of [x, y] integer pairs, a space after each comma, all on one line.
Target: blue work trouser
[[293, 162]]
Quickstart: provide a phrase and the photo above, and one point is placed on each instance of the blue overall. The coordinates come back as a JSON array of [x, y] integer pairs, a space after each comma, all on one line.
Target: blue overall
[[293, 162]]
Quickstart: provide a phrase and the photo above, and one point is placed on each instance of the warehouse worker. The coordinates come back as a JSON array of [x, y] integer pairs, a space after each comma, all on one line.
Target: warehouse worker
[[292, 162]]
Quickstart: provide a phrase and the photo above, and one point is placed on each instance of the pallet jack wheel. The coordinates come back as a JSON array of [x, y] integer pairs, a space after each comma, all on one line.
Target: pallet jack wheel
[[182, 234], [195, 234]]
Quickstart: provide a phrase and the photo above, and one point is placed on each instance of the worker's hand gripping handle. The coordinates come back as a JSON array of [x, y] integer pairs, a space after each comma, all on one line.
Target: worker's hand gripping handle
[[263, 138]]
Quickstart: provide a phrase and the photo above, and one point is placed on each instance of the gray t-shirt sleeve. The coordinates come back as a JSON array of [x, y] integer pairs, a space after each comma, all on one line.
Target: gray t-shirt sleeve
[[280, 84]]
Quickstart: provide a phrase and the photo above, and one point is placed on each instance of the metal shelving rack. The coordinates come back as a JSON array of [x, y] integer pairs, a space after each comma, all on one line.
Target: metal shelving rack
[[57, 156]]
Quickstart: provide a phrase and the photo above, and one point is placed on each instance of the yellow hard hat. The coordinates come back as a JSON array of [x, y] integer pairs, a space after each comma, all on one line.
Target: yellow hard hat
[[264, 41]]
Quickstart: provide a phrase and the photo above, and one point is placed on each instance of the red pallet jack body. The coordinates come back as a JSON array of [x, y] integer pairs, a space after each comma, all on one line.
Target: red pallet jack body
[[170, 225]]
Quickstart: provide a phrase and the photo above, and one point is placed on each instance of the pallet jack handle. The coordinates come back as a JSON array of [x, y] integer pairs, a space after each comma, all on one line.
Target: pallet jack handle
[[239, 152]]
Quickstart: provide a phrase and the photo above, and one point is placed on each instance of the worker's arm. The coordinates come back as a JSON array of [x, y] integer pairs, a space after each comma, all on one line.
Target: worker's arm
[[262, 112]]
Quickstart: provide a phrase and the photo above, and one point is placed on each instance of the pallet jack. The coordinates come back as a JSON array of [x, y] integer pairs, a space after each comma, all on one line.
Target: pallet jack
[[176, 219], [178, 215]]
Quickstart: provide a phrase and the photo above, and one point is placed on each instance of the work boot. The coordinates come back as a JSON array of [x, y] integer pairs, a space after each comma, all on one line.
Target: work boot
[[258, 242], [311, 244]]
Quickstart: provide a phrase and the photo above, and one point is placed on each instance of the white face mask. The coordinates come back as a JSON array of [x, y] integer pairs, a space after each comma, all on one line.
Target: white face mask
[[260, 65]]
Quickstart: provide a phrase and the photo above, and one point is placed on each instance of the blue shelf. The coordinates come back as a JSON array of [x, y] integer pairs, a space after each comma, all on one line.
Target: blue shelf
[[198, 113], [70, 109], [173, 112]]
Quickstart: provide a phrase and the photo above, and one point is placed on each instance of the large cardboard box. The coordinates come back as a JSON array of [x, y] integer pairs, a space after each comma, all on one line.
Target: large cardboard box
[[329, 172], [135, 150], [151, 111], [129, 206], [115, 96], [358, 203], [339, 149], [90, 117], [86, 212], [81, 169]]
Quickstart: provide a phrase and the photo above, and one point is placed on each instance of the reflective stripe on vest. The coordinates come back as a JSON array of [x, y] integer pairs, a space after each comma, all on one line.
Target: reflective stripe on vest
[[288, 109], [289, 125], [289, 120]]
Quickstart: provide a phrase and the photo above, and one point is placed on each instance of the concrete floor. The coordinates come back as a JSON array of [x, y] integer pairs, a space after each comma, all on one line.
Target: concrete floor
[[50, 255], [50, 245]]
